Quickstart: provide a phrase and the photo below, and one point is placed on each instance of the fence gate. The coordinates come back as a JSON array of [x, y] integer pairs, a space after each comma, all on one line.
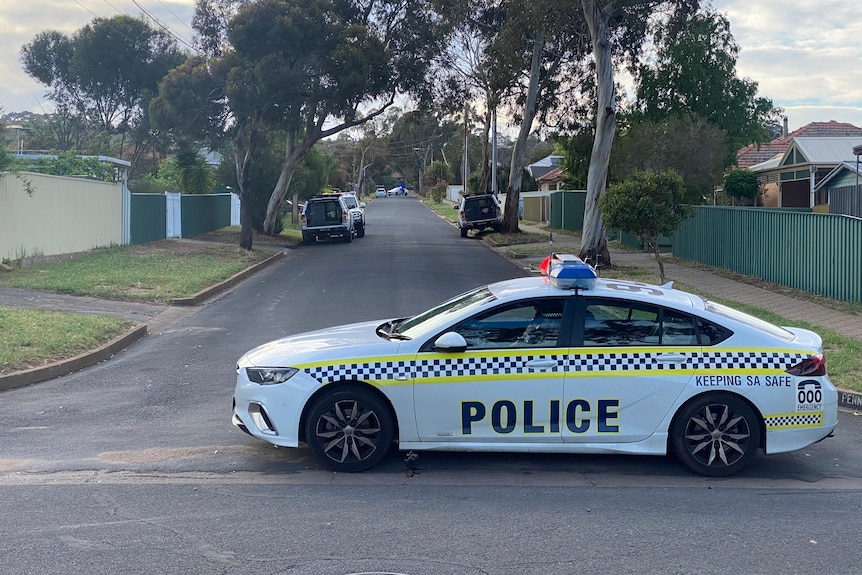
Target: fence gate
[[174, 219]]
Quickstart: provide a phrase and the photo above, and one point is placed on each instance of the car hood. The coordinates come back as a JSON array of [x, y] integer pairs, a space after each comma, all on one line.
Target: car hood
[[334, 343]]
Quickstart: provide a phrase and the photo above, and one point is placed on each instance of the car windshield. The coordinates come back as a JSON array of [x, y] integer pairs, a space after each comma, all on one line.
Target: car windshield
[[749, 320], [440, 315]]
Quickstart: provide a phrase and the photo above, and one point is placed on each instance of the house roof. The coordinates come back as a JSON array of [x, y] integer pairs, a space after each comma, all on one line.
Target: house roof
[[553, 175], [757, 154], [851, 166], [543, 166], [769, 164], [827, 150]]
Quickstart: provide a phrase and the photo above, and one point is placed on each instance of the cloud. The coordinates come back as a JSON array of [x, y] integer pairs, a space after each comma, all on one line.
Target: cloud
[[802, 53]]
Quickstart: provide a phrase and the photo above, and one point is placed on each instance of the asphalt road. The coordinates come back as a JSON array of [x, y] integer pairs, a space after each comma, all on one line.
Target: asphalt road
[[132, 466]]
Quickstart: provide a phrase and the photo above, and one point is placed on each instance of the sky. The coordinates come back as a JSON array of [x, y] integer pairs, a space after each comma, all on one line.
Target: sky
[[804, 54]]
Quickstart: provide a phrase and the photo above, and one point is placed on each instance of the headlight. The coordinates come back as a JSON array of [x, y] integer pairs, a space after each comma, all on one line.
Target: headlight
[[270, 375]]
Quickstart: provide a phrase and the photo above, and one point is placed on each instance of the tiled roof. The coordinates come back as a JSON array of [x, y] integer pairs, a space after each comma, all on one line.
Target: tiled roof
[[552, 176], [751, 155]]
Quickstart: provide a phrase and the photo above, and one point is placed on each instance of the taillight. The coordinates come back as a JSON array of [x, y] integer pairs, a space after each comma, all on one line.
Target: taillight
[[344, 215], [809, 367], [302, 220]]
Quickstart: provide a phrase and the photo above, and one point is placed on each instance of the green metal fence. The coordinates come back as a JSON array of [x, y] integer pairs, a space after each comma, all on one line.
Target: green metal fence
[[818, 253], [147, 218], [567, 210], [204, 213]]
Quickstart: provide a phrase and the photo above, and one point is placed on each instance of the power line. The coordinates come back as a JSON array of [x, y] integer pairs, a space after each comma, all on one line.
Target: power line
[[180, 20], [176, 36]]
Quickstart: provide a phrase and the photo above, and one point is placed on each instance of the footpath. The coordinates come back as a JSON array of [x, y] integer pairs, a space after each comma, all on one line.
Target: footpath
[[154, 319]]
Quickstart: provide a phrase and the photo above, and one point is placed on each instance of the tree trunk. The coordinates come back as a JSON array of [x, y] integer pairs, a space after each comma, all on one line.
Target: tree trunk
[[293, 156], [658, 261], [594, 243], [513, 191], [485, 177], [246, 234]]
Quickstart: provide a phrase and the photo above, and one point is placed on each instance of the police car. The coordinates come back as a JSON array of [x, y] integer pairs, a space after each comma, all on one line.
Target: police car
[[564, 363]]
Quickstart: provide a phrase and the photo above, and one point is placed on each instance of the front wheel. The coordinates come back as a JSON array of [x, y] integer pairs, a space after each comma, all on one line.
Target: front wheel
[[716, 435], [349, 429]]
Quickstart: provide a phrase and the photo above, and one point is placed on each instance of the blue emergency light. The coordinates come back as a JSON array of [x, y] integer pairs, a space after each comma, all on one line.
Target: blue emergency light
[[569, 272]]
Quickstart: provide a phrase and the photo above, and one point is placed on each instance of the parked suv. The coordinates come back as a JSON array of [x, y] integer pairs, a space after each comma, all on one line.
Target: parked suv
[[325, 217], [357, 210], [479, 211]]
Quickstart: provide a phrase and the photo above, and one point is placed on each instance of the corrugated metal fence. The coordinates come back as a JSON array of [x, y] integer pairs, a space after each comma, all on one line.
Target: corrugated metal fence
[[846, 200], [198, 214], [818, 253]]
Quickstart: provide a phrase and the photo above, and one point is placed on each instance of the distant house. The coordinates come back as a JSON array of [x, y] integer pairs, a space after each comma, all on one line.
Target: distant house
[[790, 168], [757, 154], [552, 180], [543, 166]]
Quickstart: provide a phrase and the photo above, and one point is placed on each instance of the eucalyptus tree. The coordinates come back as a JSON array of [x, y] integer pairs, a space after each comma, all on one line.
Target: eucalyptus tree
[[106, 72], [541, 49], [320, 67], [618, 32]]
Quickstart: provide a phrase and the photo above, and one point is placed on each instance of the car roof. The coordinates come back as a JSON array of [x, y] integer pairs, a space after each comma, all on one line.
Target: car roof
[[604, 287]]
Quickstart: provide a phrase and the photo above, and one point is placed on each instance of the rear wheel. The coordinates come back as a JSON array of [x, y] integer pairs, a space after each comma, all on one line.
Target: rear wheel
[[308, 239], [716, 435], [349, 429], [463, 232], [360, 231], [348, 236]]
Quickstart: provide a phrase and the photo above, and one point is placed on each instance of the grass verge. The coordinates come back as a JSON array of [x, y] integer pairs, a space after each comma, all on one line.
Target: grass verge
[[156, 272], [32, 337]]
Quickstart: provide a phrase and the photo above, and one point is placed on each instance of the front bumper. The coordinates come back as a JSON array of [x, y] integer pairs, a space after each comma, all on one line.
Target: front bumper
[[272, 412]]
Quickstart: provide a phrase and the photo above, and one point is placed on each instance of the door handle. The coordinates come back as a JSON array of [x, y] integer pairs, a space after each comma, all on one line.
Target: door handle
[[672, 358], [542, 363]]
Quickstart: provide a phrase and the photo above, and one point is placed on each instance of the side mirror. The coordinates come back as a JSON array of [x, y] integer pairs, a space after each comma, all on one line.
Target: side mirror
[[451, 342], [455, 206], [361, 204]]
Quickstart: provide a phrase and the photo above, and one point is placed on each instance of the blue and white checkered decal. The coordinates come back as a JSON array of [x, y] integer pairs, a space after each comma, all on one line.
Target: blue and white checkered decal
[[794, 420], [483, 365]]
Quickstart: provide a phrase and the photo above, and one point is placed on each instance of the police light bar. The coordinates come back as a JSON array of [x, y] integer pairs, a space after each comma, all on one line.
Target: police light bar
[[567, 271]]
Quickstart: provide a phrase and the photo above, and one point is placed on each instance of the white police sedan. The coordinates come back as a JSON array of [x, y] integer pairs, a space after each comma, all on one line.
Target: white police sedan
[[561, 364]]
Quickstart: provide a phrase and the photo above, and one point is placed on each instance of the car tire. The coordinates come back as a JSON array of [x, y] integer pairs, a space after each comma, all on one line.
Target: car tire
[[348, 237], [360, 231], [716, 434], [463, 232], [308, 239], [497, 227], [349, 429]]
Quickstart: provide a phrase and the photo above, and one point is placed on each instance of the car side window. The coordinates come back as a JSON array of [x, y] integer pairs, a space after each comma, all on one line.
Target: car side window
[[619, 323], [609, 323], [677, 329], [711, 333], [529, 324]]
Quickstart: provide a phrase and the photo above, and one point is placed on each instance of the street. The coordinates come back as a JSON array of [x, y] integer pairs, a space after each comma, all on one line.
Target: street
[[132, 466]]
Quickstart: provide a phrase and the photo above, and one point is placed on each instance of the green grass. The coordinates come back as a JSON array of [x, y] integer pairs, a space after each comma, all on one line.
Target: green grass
[[156, 272], [33, 337]]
